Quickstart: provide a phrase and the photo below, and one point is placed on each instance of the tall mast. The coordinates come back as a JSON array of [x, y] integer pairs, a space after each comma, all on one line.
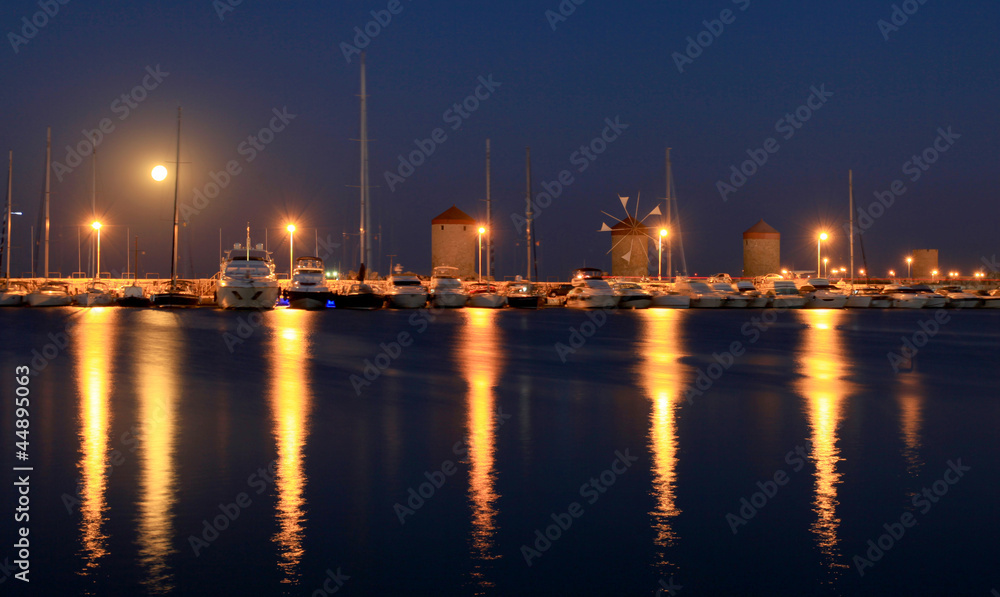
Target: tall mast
[[93, 201], [850, 184], [366, 207], [48, 170], [670, 228], [6, 217], [489, 217], [528, 213], [177, 188]]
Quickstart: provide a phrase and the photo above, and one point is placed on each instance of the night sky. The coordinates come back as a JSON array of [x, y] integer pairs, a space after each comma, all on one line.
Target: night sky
[[557, 81]]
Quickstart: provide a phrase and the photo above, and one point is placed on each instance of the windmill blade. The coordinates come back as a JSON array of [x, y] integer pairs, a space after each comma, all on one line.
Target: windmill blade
[[628, 257], [620, 221], [637, 197], [655, 212], [624, 201], [615, 246], [604, 228]]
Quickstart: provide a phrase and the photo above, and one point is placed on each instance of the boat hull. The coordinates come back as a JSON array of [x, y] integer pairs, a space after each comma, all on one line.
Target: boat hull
[[176, 299], [133, 301], [486, 301], [963, 303], [671, 301], [634, 302], [92, 299], [992, 302], [407, 300], [936, 302], [449, 300], [48, 300], [359, 302], [706, 302], [524, 302], [880, 303], [858, 301], [826, 302], [247, 297], [593, 301], [308, 300], [11, 300], [909, 303], [736, 302], [788, 302]]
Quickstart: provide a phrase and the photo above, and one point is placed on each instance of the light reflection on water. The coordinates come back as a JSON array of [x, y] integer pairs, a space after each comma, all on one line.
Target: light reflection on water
[[481, 356], [911, 400], [158, 344], [290, 396], [663, 377], [824, 367], [93, 343]]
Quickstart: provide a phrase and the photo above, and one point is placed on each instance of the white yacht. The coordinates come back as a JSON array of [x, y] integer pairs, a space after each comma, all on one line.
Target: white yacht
[[903, 297], [406, 292], [934, 300], [758, 300], [446, 289], [958, 298], [855, 299], [632, 296], [50, 294], [590, 291], [664, 296], [13, 294], [702, 296], [877, 299], [247, 280], [523, 295], [732, 298], [97, 294], [485, 296], [783, 294], [308, 289], [989, 300], [820, 294]]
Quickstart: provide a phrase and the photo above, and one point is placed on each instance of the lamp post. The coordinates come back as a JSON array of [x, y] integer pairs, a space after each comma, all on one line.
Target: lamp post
[[909, 260], [97, 227], [659, 266], [819, 249], [291, 248], [481, 231]]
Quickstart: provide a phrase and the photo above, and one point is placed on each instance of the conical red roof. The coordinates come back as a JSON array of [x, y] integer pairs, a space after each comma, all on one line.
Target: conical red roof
[[453, 215], [761, 230]]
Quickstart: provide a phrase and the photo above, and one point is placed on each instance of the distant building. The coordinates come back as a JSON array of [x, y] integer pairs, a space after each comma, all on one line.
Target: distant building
[[629, 249], [761, 250], [925, 263], [454, 237]]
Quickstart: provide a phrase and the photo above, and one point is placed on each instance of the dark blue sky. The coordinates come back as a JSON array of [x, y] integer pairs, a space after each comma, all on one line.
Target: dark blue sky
[[606, 60]]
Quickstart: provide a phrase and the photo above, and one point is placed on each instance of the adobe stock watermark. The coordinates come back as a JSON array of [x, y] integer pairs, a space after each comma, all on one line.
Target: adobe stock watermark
[[563, 11], [668, 587], [30, 27], [225, 6], [333, 582], [578, 337], [703, 39], [752, 331], [592, 491], [417, 497], [230, 512], [372, 369], [581, 158], [899, 16], [122, 107], [364, 34], [911, 345], [767, 490], [914, 169], [786, 126], [248, 149], [455, 117], [895, 531]]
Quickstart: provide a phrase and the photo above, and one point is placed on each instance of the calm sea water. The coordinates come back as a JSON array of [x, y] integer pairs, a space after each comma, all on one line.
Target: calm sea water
[[709, 452]]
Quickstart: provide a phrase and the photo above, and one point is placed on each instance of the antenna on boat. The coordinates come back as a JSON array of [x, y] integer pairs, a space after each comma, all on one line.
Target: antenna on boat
[[528, 213]]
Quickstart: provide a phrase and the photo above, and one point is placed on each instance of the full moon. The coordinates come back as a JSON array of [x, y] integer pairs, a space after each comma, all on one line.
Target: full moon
[[159, 173]]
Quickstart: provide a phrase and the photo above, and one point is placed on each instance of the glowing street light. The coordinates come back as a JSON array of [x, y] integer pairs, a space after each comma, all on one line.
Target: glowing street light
[[909, 260], [862, 272], [291, 248], [481, 231], [892, 273], [659, 266], [934, 273], [97, 226], [159, 173], [819, 247]]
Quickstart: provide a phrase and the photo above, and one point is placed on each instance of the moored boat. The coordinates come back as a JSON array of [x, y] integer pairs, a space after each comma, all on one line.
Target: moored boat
[[13, 294], [50, 294], [523, 295], [133, 296], [958, 298], [446, 289], [590, 291], [406, 292], [702, 295], [359, 296], [308, 289], [820, 294], [485, 296], [783, 294], [632, 296], [246, 279], [97, 294], [903, 297], [758, 300]]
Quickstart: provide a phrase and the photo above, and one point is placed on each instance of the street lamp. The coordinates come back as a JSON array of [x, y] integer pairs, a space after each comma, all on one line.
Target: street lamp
[[892, 273], [819, 247], [159, 173], [909, 260], [481, 231], [659, 267], [291, 248], [97, 227], [934, 273]]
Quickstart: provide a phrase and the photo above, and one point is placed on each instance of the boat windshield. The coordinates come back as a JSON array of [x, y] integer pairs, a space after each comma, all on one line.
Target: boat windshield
[[447, 283], [405, 282], [700, 287], [597, 283], [253, 269]]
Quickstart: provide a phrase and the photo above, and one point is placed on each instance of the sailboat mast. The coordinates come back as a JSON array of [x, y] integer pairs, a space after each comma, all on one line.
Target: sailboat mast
[[670, 228], [489, 218], [48, 186], [93, 202], [528, 213], [366, 240], [177, 188], [850, 185], [10, 189]]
